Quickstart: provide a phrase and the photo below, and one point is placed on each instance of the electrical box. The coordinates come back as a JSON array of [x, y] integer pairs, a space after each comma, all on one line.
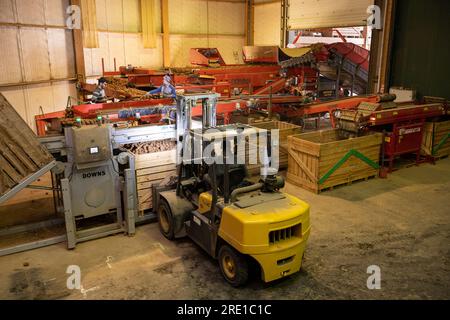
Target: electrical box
[[403, 95], [91, 144]]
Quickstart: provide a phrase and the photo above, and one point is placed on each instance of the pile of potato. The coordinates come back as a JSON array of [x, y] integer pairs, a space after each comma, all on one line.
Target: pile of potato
[[151, 147], [120, 86]]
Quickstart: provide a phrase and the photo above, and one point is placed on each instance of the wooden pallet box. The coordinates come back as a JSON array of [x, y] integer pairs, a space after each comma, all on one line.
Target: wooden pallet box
[[285, 130], [436, 139], [324, 159], [152, 169], [21, 154]]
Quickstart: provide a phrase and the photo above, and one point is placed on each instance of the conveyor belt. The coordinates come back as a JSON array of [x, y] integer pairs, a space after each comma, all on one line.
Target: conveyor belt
[[369, 115]]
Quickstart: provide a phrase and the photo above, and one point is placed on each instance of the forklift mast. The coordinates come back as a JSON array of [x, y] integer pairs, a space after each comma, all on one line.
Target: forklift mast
[[229, 134], [185, 103]]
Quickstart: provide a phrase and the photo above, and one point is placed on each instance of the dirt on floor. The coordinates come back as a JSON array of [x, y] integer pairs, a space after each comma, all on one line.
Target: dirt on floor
[[401, 224]]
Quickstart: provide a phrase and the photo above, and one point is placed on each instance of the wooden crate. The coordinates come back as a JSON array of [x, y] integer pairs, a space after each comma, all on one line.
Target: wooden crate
[[21, 154], [324, 159], [285, 130], [151, 169], [436, 137]]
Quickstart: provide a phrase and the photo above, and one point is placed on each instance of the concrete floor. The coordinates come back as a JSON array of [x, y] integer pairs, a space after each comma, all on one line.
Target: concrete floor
[[401, 224]]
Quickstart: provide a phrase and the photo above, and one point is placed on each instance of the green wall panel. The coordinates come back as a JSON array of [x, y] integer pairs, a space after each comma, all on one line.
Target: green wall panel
[[421, 49]]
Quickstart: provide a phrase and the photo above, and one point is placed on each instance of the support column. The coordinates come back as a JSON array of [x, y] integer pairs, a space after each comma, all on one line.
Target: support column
[[353, 85], [284, 38], [338, 78], [166, 32], [388, 37], [249, 22], [380, 49], [372, 84], [79, 52]]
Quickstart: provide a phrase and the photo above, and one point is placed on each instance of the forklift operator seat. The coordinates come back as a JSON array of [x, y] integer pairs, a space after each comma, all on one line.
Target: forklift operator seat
[[237, 173]]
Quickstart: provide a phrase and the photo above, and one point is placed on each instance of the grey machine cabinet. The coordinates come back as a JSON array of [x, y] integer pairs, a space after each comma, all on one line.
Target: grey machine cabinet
[[97, 184]]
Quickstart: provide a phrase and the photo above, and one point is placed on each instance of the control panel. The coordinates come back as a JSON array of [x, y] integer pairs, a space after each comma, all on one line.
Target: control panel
[[91, 144]]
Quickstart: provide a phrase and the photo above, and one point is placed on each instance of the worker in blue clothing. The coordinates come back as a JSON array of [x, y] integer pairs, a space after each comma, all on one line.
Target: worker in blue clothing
[[99, 95], [167, 90]]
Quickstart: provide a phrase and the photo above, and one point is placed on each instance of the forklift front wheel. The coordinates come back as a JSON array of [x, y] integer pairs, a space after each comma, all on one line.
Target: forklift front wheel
[[233, 265], [165, 220]]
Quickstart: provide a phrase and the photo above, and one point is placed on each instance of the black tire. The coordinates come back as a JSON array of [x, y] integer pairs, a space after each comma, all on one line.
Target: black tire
[[235, 274], [165, 220]]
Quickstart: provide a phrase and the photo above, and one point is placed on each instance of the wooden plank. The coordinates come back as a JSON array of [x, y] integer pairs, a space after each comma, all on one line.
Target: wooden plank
[[349, 180], [302, 183], [156, 159], [9, 170], [146, 206], [149, 171], [9, 182], [155, 156], [145, 197], [8, 155], [442, 126], [21, 133], [148, 184], [18, 152], [372, 154], [153, 177], [346, 146], [3, 187], [303, 166], [320, 137], [285, 129], [306, 146]]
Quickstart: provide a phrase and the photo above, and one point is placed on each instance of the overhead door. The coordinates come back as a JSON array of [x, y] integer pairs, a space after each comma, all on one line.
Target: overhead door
[[311, 14]]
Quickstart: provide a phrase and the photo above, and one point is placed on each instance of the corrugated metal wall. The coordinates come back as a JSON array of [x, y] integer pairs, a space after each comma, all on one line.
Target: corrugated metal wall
[[119, 24], [306, 14], [35, 47], [193, 23], [202, 23], [421, 48], [267, 23]]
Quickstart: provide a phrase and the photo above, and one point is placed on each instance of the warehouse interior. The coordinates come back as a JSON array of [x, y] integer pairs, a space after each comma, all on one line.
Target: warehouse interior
[[118, 119]]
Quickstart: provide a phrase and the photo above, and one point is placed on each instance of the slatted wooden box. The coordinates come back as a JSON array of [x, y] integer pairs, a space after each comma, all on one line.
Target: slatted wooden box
[[324, 159], [285, 130], [151, 169], [436, 139], [21, 154]]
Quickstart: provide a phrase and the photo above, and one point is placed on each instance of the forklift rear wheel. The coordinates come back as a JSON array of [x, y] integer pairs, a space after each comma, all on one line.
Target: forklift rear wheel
[[165, 220], [233, 265]]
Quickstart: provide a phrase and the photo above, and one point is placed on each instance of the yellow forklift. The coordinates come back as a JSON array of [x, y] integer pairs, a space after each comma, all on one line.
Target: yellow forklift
[[231, 218]]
